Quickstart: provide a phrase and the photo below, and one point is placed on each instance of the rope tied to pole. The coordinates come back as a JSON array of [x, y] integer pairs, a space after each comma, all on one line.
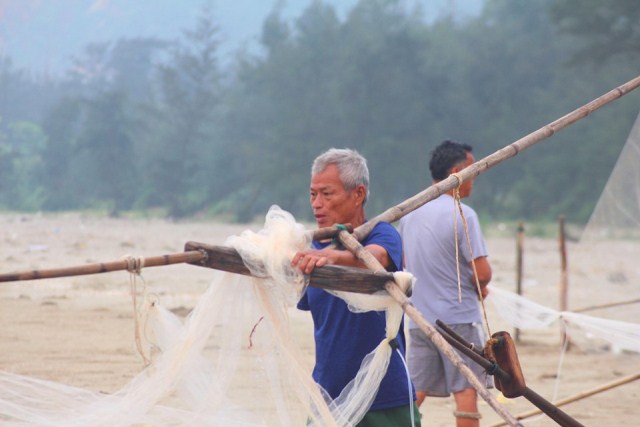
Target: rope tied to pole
[[134, 267], [459, 178]]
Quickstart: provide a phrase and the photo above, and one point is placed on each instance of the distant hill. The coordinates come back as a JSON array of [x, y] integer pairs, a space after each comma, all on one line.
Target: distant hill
[[43, 35]]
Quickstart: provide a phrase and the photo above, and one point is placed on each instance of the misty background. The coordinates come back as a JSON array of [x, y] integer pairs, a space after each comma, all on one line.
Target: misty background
[[217, 108]]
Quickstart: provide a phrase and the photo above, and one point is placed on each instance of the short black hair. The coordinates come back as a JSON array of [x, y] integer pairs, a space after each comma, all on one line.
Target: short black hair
[[445, 156]]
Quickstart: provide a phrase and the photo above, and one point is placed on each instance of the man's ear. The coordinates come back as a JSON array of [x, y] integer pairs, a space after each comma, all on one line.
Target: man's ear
[[360, 193]]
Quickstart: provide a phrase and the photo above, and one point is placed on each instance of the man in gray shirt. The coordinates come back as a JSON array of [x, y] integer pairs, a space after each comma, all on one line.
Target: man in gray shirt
[[429, 241]]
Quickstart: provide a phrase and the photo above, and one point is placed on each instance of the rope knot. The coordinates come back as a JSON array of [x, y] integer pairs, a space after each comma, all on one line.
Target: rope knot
[[134, 265], [458, 177]]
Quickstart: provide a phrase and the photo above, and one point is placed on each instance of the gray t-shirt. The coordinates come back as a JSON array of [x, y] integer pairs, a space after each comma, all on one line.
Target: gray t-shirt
[[430, 255]]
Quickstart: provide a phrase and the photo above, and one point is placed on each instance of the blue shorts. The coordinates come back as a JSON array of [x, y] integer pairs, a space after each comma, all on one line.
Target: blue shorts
[[433, 373]]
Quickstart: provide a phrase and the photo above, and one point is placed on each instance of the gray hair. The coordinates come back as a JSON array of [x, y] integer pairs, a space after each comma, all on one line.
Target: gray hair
[[351, 165]]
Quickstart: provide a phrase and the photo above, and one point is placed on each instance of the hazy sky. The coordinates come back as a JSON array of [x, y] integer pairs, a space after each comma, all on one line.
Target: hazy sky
[[43, 34]]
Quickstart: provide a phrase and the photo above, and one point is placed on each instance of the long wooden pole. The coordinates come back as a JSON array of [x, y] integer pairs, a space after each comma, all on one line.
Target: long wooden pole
[[331, 277], [190, 255], [608, 305], [394, 213], [579, 396], [105, 267]]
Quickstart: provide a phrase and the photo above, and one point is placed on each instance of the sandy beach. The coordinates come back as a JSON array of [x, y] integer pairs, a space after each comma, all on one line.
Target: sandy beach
[[79, 330]]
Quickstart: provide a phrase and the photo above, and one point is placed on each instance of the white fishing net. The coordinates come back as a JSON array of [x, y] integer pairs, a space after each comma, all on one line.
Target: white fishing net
[[198, 373], [524, 314], [609, 271], [617, 213]]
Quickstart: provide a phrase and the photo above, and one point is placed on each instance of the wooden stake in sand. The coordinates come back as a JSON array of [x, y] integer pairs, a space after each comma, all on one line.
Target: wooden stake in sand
[[564, 279], [519, 266]]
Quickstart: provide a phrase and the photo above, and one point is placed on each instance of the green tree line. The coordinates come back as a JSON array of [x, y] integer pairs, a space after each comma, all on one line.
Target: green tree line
[[148, 124]]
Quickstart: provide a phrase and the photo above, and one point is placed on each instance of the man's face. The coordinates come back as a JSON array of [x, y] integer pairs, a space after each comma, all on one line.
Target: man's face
[[330, 202], [467, 187]]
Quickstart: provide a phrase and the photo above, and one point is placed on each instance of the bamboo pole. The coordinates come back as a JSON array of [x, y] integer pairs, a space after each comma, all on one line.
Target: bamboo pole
[[190, 256], [579, 396], [331, 277], [353, 245], [609, 305], [394, 213], [129, 263]]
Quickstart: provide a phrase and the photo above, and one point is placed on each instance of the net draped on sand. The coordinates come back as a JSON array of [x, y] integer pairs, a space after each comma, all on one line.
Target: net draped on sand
[[201, 362]]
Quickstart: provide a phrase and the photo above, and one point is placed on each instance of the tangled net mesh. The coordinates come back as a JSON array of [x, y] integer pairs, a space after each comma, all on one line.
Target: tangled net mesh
[[202, 362]]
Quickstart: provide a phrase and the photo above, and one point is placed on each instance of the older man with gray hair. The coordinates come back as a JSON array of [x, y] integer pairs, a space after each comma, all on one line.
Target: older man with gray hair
[[338, 191]]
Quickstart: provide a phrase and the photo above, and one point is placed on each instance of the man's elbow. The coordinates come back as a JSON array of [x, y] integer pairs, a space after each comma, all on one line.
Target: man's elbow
[[484, 279], [483, 268]]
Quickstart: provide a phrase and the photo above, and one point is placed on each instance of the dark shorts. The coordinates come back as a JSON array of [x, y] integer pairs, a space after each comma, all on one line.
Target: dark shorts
[[433, 373], [400, 416]]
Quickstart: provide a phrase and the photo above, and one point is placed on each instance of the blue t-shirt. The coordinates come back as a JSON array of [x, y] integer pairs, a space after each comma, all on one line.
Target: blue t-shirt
[[344, 338]]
